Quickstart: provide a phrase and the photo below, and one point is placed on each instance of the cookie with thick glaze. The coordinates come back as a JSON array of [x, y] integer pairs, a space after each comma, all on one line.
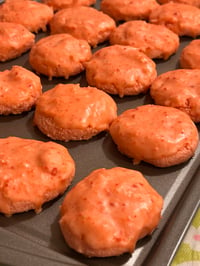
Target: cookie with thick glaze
[[179, 88], [108, 211], [32, 172], [70, 112], [160, 135], [33, 15], [182, 19], [188, 2], [190, 55], [15, 40], [19, 90], [121, 70], [84, 23], [124, 10], [156, 41], [59, 55], [62, 4]]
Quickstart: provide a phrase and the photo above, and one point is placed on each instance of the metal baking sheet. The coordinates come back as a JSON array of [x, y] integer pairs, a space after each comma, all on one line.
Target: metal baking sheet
[[30, 239]]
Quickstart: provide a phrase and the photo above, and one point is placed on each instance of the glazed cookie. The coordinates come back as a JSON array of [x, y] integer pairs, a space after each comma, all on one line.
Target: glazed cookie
[[11, 45], [84, 23], [108, 211], [39, 173], [19, 90], [21, 11], [159, 135], [62, 4], [124, 10], [190, 55], [156, 41], [59, 55], [179, 88], [180, 18], [189, 2], [121, 70], [70, 112]]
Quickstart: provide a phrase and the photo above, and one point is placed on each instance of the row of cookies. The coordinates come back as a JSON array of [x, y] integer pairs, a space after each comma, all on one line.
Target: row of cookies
[[62, 4], [95, 26], [103, 215], [70, 112]]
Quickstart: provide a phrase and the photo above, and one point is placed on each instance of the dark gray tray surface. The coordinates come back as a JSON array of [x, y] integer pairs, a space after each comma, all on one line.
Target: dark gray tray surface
[[30, 239]]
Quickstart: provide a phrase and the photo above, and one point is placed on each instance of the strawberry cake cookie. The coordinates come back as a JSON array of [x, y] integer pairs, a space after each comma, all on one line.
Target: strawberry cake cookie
[[70, 112], [40, 172], [160, 135], [108, 211]]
